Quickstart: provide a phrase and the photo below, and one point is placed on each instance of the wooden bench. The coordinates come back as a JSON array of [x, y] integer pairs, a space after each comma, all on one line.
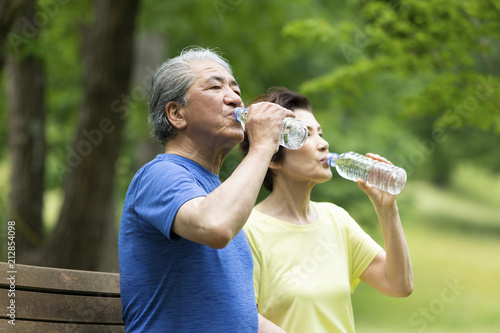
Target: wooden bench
[[42, 299]]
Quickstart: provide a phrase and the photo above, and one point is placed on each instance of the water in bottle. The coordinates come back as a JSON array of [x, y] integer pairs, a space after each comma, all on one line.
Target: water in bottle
[[293, 131], [385, 177]]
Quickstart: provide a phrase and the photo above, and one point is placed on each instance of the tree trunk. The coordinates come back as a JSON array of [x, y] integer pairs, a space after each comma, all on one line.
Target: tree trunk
[[8, 13], [26, 135], [87, 214]]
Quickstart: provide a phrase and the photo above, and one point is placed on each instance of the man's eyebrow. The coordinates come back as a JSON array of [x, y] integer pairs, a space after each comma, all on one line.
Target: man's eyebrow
[[222, 80]]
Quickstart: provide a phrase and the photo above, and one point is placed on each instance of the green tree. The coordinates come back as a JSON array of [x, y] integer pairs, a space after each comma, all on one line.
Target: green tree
[[87, 213], [86, 223], [447, 50]]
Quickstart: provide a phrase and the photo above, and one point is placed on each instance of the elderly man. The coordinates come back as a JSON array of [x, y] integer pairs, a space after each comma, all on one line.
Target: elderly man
[[185, 264]]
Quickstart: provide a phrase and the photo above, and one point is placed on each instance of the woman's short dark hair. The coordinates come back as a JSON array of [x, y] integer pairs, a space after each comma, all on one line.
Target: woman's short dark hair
[[289, 100]]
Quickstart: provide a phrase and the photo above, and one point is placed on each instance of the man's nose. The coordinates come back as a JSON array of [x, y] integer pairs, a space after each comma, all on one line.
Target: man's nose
[[232, 98]]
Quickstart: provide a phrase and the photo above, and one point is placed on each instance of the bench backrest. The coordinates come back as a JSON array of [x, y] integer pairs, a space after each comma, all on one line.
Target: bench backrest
[[43, 299]]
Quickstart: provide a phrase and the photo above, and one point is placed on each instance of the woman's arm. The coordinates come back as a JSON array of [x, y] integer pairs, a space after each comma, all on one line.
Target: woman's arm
[[391, 271]]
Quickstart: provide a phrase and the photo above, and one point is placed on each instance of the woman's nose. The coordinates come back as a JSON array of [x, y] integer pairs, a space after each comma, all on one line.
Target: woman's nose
[[323, 144]]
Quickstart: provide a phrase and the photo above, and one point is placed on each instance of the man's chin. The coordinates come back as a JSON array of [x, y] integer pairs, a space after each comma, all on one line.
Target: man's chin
[[233, 139], [239, 136]]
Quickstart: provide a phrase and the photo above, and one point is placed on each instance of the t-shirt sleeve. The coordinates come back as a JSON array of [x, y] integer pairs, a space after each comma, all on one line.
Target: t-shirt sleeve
[[253, 238], [162, 189], [362, 250]]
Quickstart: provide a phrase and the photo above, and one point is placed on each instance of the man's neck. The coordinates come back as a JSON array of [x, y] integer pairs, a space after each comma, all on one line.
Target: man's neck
[[204, 154]]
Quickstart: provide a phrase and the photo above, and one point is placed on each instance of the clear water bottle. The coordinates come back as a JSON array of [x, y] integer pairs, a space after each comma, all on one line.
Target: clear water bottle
[[293, 131], [385, 177]]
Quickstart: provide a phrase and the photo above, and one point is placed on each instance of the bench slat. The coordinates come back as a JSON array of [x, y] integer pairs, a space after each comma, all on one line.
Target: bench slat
[[36, 327], [56, 279], [63, 308]]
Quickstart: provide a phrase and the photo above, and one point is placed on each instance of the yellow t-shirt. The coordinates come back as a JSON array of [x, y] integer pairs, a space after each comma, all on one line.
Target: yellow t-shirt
[[304, 275]]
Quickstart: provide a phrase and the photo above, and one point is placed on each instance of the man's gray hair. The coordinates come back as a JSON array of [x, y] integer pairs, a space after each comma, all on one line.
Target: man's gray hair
[[171, 82]]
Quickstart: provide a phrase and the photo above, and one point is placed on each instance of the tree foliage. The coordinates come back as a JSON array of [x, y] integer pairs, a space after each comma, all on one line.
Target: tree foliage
[[454, 44], [435, 61]]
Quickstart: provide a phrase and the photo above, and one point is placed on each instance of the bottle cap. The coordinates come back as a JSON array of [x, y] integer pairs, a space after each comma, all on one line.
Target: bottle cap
[[331, 158], [237, 112]]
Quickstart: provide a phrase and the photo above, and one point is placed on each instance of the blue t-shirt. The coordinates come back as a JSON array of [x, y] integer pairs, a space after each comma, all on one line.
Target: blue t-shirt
[[171, 284]]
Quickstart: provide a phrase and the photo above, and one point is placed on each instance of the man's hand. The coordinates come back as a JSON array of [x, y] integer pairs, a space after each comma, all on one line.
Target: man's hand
[[263, 125]]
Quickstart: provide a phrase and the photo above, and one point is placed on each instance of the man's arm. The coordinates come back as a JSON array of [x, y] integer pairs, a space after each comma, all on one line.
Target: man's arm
[[217, 218]]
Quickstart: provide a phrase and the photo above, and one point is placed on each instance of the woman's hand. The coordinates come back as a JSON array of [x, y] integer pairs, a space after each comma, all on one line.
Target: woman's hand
[[379, 199]]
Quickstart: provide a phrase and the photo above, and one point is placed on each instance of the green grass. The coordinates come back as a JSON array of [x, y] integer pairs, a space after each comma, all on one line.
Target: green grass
[[440, 259], [454, 239]]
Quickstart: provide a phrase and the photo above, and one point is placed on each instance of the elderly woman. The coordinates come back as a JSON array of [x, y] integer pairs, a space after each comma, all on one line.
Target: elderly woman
[[309, 256]]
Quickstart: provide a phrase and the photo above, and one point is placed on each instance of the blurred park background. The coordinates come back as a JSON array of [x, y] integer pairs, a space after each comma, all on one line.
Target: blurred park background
[[415, 81]]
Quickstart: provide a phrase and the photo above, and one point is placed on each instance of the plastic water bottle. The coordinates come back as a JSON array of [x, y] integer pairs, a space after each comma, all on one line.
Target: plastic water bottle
[[293, 131], [385, 177]]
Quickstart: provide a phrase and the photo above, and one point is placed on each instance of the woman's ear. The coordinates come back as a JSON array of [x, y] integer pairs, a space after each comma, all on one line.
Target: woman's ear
[[275, 165], [175, 115]]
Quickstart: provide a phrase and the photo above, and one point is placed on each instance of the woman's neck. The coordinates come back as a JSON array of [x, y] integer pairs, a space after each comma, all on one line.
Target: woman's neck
[[290, 202]]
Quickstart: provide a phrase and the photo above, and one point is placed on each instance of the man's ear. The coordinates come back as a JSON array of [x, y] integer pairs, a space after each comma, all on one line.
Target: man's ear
[[175, 115]]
